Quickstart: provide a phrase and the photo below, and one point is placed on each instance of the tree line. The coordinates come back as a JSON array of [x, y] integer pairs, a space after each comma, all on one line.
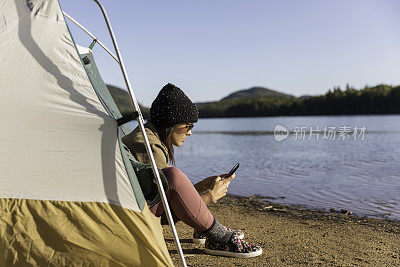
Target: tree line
[[380, 99]]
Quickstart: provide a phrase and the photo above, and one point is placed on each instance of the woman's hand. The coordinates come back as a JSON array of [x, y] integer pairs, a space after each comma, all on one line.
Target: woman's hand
[[220, 187], [205, 184]]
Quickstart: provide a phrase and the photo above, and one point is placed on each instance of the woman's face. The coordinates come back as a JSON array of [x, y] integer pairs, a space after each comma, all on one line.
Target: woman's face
[[180, 132]]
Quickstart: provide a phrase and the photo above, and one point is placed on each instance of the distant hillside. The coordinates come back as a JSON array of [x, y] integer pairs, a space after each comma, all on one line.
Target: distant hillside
[[244, 103], [256, 92], [380, 99], [123, 101], [263, 102]]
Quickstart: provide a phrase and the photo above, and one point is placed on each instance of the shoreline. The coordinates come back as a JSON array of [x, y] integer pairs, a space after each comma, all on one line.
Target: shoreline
[[291, 234], [304, 207], [267, 204]]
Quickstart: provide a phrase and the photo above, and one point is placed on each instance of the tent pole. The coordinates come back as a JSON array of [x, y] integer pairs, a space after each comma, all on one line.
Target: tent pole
[[91, 35], [146, 140]]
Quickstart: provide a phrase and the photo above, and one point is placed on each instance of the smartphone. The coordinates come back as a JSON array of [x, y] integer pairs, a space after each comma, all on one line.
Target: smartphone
[[237, 165]]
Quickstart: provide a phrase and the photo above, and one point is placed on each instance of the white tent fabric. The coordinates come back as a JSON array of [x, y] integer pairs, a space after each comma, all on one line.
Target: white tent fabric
[[83, 50], [56, 140]]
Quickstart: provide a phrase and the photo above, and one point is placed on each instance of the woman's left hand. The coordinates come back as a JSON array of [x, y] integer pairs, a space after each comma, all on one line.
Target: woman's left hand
[[205, 184], [208, 182]]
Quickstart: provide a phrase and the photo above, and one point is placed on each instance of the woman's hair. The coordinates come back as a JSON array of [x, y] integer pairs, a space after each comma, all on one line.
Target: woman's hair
[[165, 136]]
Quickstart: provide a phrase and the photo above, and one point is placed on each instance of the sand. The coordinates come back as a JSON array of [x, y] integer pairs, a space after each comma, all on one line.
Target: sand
[[290, 235]]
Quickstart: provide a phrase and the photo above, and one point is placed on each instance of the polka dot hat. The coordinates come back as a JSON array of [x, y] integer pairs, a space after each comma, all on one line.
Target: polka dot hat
[[171, 107]]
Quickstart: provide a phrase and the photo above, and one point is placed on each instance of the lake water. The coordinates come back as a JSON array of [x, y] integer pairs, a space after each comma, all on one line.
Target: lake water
[[347, 168]]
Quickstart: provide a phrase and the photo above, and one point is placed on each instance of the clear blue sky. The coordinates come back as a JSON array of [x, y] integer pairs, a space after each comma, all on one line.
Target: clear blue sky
[[211, 48]]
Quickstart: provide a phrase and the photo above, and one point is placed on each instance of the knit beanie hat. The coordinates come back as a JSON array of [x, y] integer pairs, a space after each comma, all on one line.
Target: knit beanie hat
[[171, 107]]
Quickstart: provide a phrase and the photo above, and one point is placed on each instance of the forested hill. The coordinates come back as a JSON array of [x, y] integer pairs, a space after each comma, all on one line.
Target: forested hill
[[260, 102], [380, 99], [256, 91], [123, 101]]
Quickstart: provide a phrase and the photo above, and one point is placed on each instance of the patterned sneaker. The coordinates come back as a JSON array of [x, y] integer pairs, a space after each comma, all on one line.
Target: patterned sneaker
[[236, 248], [200, 238]]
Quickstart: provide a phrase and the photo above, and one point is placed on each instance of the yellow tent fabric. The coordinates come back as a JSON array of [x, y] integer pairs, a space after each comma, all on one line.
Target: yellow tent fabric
[[61, 233]]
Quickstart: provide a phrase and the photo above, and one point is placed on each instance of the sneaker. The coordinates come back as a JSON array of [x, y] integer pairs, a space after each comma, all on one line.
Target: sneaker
[[200, 238], [236, 248]]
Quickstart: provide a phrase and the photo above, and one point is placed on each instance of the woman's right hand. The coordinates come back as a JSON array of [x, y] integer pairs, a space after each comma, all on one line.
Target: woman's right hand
[[220, 186]]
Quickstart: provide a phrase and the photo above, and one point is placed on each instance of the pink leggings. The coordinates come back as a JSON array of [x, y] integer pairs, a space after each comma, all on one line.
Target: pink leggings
[[184, 200]]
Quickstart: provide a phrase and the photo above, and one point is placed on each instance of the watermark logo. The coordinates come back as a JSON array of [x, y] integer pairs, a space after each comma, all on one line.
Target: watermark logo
[[280, 133], [329, 133]]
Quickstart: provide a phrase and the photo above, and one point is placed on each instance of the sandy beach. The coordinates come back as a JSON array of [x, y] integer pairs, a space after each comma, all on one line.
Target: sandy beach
[[290, 235]]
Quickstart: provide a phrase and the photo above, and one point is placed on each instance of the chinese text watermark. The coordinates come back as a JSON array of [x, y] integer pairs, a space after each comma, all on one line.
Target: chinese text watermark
[[329, 133]]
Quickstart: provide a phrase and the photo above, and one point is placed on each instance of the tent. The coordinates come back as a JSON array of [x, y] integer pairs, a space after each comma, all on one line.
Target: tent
[[68, 193]]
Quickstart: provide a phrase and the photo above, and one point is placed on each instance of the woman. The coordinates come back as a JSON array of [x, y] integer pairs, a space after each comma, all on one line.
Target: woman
[[172, 117]]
